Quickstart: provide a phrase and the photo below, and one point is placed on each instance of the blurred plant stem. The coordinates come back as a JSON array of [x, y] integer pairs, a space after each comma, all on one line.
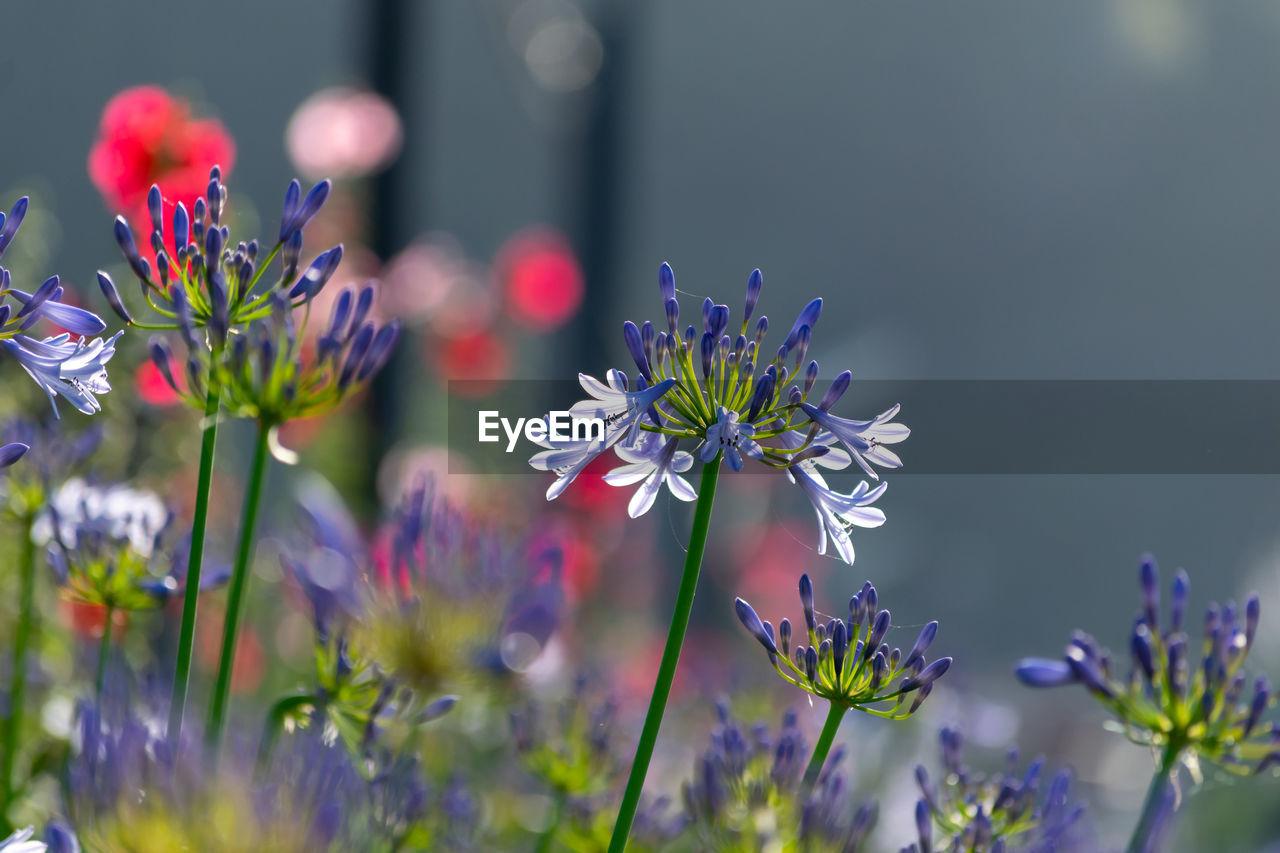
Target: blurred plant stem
[[235, 599], [18, 675], [1148, 821], [670, 655], [182, 670], [104, 652], [823, 747], [559, 798]]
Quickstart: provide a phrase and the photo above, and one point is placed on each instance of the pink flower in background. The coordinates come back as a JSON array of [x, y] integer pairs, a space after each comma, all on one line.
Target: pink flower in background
[[482, 359], [147, 136], [542, 278], [343, 133]]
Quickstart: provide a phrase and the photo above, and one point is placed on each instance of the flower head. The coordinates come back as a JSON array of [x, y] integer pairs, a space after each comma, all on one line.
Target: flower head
[[113, 546], [1193, 702], [992, 814], [746, 794], [75, 369], [211, 289], [848, 662], [728, 398]]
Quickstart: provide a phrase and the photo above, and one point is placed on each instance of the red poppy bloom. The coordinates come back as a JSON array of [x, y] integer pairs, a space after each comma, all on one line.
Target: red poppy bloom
[[146, 136], [542, 278]]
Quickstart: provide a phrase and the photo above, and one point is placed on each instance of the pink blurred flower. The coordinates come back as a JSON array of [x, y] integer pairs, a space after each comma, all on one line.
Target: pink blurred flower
[[343, 133], [481, 359]]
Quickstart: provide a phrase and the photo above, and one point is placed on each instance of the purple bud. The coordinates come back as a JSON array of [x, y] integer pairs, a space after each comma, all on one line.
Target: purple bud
[[1261, 696], [930, 674], [163, 359], [806, 600], [113, 296], [32, 303], [290, 256], [673, 316], [305, 211], [359, 346], [364, 303], [878, 630], [1041, 672], [924, 826], [923, 641], [9, 227], [667, 286], [784, 636], [1140, 646], [124, 237], [1178, 600], [1149, 577], [1252, 613], [762, 395], [808, 317], [718, 320], [802, 345], [292, 197], [12, 452], [635, 346], [318, 274], [747, 616], [379, 350], [181, 226], [155, 207], [839, 645], [708, 350], [755, 282]]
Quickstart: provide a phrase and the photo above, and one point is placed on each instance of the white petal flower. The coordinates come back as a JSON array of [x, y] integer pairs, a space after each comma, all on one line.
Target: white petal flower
[[653, 459], [20, 842], [75, 370], [865, 440], [118, 511], [731, 437], [837, 513]]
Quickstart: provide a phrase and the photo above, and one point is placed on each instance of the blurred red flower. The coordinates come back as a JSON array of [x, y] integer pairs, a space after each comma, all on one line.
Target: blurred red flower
[[481, 359], [152, 386], [542, 278], [147, 136]]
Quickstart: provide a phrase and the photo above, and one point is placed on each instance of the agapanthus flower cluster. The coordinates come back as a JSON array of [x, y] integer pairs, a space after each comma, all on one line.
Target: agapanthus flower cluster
[[268, 377], [71, 365], [450, 598], [1002, 813], [1194, 704], [350, 697], [569, 746], [746, 794], [847, 661], [703, 393], [114, 546], [131, 787], [209, 288]]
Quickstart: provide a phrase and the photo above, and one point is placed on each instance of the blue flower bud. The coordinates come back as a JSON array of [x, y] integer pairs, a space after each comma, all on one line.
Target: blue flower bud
[[379, 350], [755, 282], [808, 317], [667, 284], [1149, 581], [12, 452], [9, 227], [708, 351], [806, 600], [717, 320], [747, 616], [635, 346], [181, 227], [923, 641], [317, 274], [113, 296], [1041, 672], [124, 237], [155, 207]]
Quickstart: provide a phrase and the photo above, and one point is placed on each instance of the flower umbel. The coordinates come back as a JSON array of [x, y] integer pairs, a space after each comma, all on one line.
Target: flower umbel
[[205, 286], [1198, 705], [847, 662], [982, 814], [726, 397], [112, 546], [75, 369]]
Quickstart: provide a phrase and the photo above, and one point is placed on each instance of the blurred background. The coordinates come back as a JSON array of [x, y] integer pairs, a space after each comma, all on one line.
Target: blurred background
[[978, 191]]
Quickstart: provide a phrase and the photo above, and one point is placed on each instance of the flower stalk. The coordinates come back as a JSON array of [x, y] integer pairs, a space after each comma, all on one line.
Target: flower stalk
[[1149, 819], [670, 655], [239, 580], [182, 670], [104, 653], [820, 750], [18, 676]]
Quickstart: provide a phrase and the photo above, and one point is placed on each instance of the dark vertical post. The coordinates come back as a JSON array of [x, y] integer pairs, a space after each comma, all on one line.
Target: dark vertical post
[[389, 40], [598, 184]]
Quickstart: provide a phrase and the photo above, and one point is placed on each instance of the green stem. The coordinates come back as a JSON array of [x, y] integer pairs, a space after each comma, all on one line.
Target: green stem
[[670, 656], [104, 652], [18, 677], [1140, 842], [828, 736], [182, 671], [239, 580], [557, 810]]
